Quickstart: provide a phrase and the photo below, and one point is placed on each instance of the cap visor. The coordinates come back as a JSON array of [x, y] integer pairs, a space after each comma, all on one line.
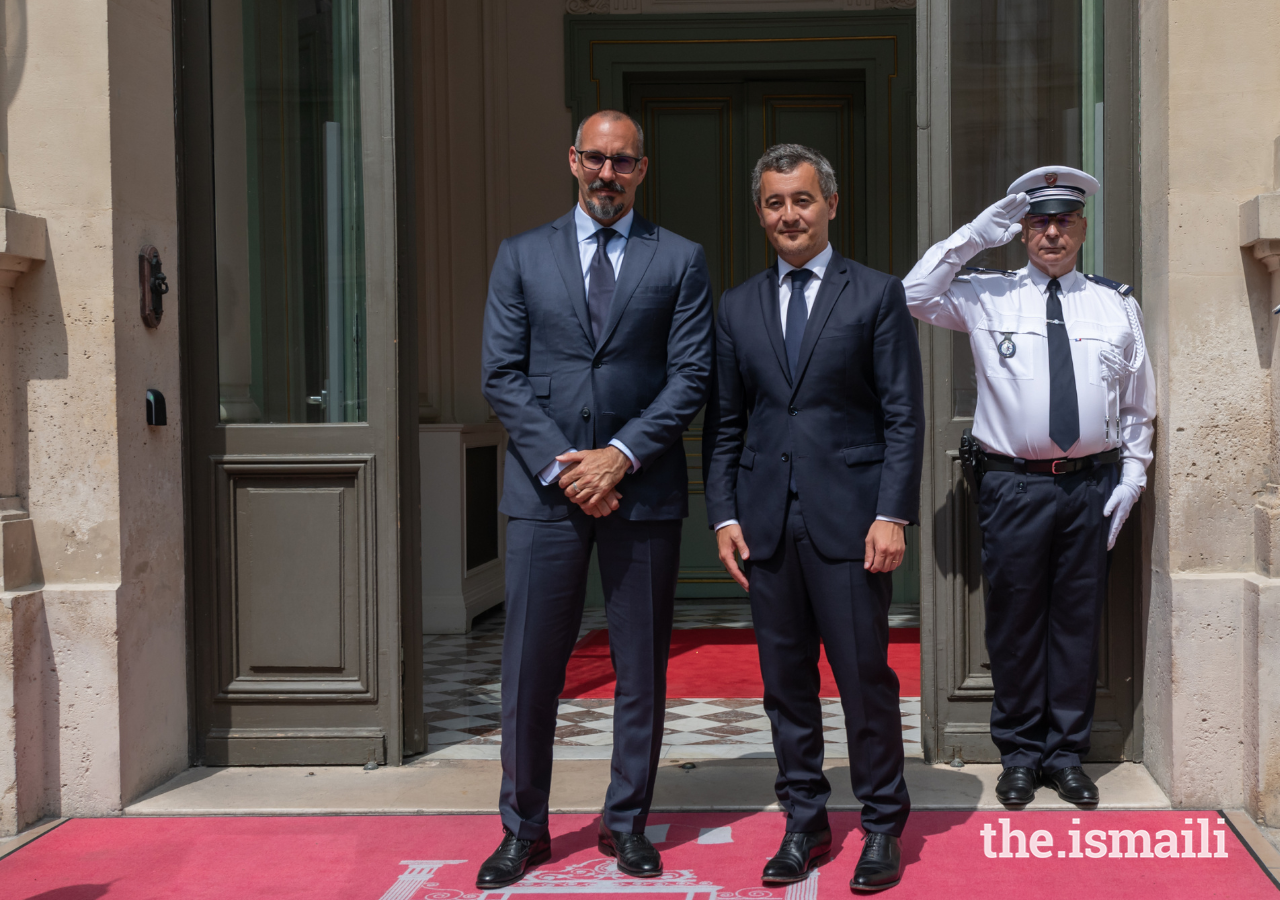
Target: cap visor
[[1054, 206]]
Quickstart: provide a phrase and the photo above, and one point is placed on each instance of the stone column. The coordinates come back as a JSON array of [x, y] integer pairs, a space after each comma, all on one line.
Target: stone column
[[1210, 632]]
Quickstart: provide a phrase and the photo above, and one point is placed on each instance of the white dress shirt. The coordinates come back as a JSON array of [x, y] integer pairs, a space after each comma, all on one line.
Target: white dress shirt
[[1117, 403], [818, 266], [616, 249]]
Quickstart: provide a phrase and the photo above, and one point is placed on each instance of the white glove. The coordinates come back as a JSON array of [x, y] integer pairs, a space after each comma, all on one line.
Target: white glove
[[1118, 507], [998, 224]]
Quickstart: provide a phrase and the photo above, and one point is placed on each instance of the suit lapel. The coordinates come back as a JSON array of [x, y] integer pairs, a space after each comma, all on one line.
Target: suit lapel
[[833, 284], [771, 311], [642, 244], [564, 248]]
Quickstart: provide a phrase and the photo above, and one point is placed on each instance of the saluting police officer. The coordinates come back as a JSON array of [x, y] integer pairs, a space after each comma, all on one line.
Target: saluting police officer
[[1063, 425]]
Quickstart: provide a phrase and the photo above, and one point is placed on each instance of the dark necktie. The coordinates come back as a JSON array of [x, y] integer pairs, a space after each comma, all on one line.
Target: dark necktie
[[603, 280], [797, 316], [1064, 409]]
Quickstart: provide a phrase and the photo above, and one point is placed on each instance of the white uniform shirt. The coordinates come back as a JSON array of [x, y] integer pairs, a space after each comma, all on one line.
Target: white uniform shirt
[[1012, 416]]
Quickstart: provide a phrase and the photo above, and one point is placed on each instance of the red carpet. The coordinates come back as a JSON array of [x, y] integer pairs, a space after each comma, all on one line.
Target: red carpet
[[709, 856], [721, 662]]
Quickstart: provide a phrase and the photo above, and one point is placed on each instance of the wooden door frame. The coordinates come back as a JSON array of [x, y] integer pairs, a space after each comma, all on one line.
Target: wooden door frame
[[602, 51], [395, 638], [945, 552]]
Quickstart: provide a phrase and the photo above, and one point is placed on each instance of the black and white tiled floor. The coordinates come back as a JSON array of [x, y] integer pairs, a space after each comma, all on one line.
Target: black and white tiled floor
[[463, 702]]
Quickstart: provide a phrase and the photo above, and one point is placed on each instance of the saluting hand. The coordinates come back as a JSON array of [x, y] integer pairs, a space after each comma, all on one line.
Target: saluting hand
[[1000, 223], [886, 545]]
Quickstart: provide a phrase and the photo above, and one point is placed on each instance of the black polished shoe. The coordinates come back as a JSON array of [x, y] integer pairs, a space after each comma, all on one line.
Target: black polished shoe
[[1017, 786], [1073, 785], [636, 855], [511, 860], [800, 852], [879, 866]]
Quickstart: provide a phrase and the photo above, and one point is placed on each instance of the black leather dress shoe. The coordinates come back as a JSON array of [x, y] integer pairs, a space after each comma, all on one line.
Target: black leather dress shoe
[[635, 854], [800, 852], [1073, 785], [511, 860], [1017, 786], [879, 866]]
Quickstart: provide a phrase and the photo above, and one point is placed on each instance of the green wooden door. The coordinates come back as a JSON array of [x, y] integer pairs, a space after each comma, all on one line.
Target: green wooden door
[[704, 135]]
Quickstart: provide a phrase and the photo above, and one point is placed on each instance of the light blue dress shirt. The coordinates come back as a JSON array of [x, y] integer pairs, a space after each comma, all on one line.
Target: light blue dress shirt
[[617, 250]]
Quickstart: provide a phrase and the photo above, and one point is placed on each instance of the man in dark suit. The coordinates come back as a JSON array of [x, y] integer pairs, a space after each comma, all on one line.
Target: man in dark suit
[[812, 454], [597, 355]]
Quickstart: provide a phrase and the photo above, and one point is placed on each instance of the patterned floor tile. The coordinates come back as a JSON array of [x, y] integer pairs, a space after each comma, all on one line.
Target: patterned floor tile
[[463, 697]]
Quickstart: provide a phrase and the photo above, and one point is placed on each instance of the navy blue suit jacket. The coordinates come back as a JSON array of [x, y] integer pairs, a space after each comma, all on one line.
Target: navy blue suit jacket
[[851, 426], [554, 388]]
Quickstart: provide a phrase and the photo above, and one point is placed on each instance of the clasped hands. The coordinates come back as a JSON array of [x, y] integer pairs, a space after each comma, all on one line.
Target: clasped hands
[[590, 476], [885, 547]]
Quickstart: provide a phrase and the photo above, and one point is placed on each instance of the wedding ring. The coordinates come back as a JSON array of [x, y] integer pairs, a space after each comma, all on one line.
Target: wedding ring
[[576, 488]]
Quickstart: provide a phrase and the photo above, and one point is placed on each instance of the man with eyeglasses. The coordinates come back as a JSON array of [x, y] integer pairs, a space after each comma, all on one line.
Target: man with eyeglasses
[[1063, 429], [596, 357]]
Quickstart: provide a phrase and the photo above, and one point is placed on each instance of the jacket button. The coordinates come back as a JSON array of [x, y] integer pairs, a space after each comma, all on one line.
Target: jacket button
[[597, 364], [794, 411], [586, 413], [784, 457]]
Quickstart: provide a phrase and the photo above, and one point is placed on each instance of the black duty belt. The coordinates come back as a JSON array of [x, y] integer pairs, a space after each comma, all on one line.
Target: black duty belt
[[994, 462]]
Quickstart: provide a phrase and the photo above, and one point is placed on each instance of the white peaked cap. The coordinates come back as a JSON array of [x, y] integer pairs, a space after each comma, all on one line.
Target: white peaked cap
[[1057, 183]]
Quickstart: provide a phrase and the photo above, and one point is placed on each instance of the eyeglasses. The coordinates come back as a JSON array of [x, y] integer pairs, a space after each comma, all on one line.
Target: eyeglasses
[[595, 160], [1041, 223]]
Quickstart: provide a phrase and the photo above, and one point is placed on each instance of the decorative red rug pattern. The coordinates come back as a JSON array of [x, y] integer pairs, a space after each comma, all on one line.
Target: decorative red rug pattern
[[721, 662], [707, 856]]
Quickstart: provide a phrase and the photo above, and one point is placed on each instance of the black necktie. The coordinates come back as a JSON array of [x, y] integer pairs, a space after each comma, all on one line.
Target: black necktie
[[1064, 409], [600, 293], [797, 316]]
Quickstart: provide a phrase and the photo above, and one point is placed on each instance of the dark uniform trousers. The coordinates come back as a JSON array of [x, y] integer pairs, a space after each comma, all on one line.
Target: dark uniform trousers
[[1044, 552], [798, 598], [546, 586]]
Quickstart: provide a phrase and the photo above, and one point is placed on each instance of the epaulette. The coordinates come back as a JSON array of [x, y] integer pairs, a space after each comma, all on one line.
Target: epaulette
[[1124, 290], [982, 271]]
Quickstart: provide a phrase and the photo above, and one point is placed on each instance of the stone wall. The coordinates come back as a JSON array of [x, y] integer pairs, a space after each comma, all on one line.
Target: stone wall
[[1210, 112], [88, 135]]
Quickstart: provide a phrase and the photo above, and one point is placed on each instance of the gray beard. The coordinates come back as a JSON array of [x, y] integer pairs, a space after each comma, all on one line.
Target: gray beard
[[604, 210]]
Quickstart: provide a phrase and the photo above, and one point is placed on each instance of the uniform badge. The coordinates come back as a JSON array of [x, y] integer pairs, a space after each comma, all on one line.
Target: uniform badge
[[1051, 178], [1006, 347]]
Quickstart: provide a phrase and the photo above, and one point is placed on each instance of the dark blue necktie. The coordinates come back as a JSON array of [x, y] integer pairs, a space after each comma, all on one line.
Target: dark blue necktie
[[1064, 408], [603, 280], [797, 316]]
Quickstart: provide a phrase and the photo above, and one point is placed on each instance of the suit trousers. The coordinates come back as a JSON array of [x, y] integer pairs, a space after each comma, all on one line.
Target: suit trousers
[[546, 585], [1044, 553], [798, 599]]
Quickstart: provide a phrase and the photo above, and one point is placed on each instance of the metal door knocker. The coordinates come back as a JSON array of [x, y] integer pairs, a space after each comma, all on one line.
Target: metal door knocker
[[152, 286], [1006, 347]]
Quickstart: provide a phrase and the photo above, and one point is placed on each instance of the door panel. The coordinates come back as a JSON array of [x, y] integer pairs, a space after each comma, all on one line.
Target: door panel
[[831, 118], [290, 630], [292, 376], [695, 187]]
